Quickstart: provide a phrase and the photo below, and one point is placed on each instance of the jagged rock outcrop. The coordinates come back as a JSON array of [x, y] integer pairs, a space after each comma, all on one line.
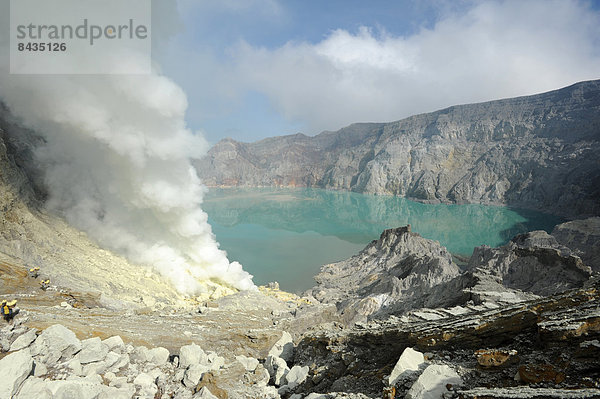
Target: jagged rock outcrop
[[394, 270], [533, 262], [583, 238], [537, 152], [403, 271]]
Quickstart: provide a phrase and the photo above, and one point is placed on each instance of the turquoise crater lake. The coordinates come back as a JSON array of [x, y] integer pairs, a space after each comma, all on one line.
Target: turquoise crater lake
[[286, 235]]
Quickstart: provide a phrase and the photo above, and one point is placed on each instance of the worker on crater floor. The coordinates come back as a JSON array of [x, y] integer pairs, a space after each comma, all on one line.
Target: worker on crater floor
[[44, 284], [9, 311], [34, 272]]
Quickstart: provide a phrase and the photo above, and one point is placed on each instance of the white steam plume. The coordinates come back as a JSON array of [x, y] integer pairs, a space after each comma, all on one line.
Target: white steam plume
[[117, 165]]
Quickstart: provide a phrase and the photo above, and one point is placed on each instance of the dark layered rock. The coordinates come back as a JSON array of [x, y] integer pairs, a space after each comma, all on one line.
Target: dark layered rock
[[561, 330], [537, 152]]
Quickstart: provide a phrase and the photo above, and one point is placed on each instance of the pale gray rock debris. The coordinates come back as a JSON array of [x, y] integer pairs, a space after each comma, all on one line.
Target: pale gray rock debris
[[14, 369], [249, 363], [158, 356], [140, 355], [114, 343], [296, 376], [278, 369], [431, 384], [23, 341], [214, 361], [409, 362], [193, 374], [283, 348], [57, 339], [92, 350], [191, 354], [34, 387], [204, 393], [145, 384]]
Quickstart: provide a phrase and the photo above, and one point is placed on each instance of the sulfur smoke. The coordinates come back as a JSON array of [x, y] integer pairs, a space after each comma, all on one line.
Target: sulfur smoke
[[117, 166]]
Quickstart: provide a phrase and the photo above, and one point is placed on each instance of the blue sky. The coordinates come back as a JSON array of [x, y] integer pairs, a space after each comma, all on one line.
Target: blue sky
[[258, 68]]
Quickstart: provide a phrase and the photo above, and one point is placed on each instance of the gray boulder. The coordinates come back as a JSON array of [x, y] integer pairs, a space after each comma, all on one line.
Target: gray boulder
[[432, 383], [278, 369], [23, 341], [34, 387], [158, 356], [55, 342], [93, 350], [409, 362], [283, 348], [249, 363], [296, 376], [114, 343], [191, 354], [140, 355], [14, 369]]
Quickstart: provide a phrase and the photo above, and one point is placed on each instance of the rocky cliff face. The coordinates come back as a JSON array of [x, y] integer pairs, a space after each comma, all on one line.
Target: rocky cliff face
[[403, 271], [537, 152]]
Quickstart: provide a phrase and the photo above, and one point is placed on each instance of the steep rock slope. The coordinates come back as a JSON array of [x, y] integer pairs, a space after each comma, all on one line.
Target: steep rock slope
[[537, 151]]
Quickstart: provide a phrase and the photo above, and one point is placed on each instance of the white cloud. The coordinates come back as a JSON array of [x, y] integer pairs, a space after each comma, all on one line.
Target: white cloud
[[496, 49]]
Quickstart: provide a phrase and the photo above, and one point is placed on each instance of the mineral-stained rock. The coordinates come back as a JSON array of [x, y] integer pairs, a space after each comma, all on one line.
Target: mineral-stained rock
[[528, 392], [494, 358], [536, 373], [204, 393], [208, 381], [551, 327]]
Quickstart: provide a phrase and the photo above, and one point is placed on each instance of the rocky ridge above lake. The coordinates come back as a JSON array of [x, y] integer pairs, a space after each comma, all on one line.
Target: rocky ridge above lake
[[537, 152]]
